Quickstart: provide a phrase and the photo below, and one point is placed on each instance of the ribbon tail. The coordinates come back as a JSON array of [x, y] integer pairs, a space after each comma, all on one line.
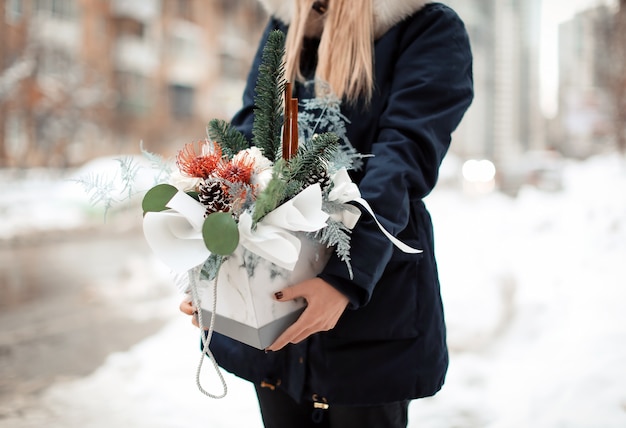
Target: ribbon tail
[[401, 245]]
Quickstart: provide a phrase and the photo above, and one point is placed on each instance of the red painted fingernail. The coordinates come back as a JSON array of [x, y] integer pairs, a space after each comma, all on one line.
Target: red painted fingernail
[[278, 295]]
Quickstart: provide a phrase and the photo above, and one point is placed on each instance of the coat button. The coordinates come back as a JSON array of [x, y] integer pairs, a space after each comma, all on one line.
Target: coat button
[[320, 402], [266, 384]]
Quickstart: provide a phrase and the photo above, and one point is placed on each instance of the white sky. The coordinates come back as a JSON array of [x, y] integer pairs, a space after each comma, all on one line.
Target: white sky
[[555, 12]]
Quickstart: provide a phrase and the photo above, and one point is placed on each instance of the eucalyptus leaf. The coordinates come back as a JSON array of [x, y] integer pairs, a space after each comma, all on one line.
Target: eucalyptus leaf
[[220, 233], [194, 195], [157, 197]]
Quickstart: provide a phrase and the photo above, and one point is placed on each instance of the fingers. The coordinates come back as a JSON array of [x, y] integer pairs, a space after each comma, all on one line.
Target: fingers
[[187, 307], [290, 293], [303, 290], [298, 331], [325, 304], [194, 320]]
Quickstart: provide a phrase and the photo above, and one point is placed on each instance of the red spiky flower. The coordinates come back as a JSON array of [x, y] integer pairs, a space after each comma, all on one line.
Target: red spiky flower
[[238, 170], [199, 159], [238, 173]]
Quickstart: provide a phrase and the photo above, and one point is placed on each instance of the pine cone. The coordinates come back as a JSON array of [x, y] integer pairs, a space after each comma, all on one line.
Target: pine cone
[[213, 196], [318, 176]]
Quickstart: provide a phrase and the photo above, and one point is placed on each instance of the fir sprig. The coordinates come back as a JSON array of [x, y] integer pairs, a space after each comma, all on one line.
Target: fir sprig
[[315, 157], [270, 86], [161, 166], [128, 172], [336, 234], [100, 189], [323, 114], [105, 190], [289, 177], [230, 139], [274, 194], [245, 199]]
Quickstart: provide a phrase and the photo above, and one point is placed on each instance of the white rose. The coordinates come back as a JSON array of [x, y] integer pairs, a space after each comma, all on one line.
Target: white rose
[[184, 182], [262, 166], [262, 179], [260, 161]]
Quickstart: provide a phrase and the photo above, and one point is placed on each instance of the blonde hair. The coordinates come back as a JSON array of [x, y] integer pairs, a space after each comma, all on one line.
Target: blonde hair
[[345, 53]]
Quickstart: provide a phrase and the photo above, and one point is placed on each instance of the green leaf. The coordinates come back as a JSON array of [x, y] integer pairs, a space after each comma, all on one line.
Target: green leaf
[[157, 197], [194, 195], [220, 233]]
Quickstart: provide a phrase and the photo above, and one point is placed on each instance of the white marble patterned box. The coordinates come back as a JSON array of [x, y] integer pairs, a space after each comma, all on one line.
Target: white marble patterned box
[[246, 308]]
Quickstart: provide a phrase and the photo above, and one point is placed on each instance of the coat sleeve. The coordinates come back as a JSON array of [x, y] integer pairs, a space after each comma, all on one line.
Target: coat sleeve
[[430, 90]]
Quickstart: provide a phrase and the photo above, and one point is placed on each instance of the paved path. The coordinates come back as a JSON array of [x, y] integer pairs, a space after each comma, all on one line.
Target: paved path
[[68, 301]]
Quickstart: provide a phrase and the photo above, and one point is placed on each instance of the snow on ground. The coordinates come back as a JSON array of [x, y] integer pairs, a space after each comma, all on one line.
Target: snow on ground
[[551, 268], [534, 289], [40, 200]]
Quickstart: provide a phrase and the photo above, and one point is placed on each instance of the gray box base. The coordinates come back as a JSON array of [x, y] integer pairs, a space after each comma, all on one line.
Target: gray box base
[[259, 338]]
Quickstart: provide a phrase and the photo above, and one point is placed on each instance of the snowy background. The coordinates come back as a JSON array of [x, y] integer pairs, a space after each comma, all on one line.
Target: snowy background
[[534, 288]]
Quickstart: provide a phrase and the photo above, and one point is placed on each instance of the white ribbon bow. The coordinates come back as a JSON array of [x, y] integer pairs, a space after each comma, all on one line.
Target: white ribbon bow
[[175, 235], [344, 190], [272, 238]]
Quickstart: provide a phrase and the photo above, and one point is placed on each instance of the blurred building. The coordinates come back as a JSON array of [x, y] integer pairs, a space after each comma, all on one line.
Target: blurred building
[[80, 78], [586, 65], [505, 121]]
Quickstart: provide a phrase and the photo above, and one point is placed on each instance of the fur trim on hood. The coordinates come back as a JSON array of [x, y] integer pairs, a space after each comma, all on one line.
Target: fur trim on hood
[[387, 13]]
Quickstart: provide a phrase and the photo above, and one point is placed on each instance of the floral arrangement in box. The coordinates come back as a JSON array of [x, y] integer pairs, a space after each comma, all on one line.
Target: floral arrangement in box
[[245, 190], [248, 220]]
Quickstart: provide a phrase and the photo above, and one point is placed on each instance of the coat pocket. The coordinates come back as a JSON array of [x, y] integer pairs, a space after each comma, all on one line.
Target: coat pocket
[[392, 311]]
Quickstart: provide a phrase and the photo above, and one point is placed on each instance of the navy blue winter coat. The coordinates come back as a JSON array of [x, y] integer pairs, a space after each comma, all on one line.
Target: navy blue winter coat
[[390, 344]]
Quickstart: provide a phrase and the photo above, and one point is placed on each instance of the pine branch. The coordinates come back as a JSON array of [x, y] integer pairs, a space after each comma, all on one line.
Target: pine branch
[[349, 158], [274, 194], [337, 235], [315, 157], [323, 114], [230, 139], [128, 170], [241, 195], [266, 128], [163, 167], [100, 190], [293, 188]]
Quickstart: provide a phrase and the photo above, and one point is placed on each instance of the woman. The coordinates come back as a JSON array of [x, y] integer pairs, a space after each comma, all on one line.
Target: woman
[[366, 346]]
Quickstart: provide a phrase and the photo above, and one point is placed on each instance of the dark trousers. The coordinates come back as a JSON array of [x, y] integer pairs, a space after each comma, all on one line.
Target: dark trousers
[[279, 410]]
